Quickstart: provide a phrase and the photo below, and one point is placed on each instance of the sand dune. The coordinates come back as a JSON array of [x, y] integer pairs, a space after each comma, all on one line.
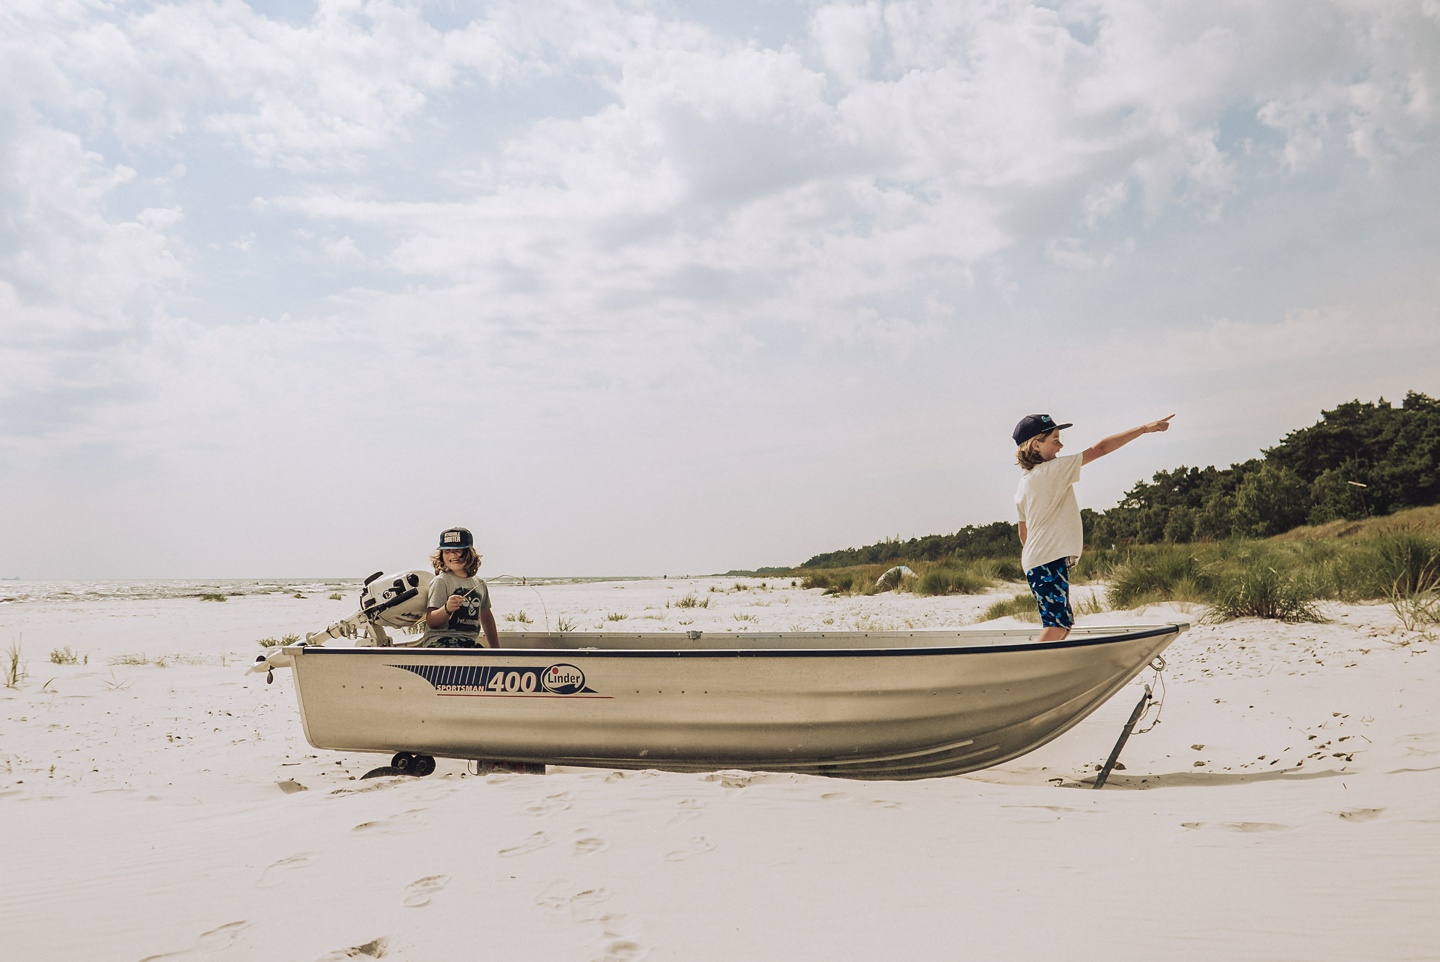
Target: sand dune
[[169, 808]]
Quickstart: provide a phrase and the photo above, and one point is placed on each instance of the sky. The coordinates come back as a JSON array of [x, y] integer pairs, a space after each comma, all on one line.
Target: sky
[[643, 288]]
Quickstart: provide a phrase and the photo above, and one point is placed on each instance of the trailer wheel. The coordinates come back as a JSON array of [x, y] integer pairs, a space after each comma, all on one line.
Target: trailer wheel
[[424, 765], [403, 762]]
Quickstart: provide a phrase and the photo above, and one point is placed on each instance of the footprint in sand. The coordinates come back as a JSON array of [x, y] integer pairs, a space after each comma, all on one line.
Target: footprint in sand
[[686, 809], [537, 841], [622, 950], [617, 944], [698, 845], [277, 872], [562, 895], [548, 805], [839, 797], [207, 943], [621, 776], [419, 892], [374, 949], [392, 824], [587, 844], [1361, 814]]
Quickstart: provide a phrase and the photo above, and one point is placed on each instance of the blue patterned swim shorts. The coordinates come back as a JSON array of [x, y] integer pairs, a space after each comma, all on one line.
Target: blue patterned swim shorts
[[1050, 584]]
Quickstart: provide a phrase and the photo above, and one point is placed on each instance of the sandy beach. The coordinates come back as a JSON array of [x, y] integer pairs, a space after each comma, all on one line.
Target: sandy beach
[[157, 802]]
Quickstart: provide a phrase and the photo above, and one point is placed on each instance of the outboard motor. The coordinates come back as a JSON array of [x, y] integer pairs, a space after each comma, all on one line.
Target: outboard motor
[[386, 601]]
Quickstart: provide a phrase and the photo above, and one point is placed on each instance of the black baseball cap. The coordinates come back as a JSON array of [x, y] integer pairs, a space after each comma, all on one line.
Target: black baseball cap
[[1033, 425], [456, 539]]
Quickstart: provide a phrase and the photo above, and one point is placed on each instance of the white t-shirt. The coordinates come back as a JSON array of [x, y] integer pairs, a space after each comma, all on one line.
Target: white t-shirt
[[1046, 504]]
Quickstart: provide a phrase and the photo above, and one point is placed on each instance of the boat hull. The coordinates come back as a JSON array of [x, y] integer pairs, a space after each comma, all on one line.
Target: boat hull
[[888, 705]]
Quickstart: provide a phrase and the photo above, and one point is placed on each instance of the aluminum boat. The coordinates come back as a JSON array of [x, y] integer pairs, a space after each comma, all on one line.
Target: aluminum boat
[[874, 705]]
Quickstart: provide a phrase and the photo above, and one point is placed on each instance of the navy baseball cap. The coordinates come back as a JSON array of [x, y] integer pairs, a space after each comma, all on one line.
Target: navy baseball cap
[[1033, 425], [455, 539]]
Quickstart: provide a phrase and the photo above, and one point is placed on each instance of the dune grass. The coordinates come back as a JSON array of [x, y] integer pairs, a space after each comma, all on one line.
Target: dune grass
[[1395, 559], [1283, 578], [858, 580], [1425, 521], [924, 577]]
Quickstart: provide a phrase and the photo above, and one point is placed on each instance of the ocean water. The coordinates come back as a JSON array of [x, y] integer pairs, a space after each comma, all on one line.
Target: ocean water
[[20, 591]]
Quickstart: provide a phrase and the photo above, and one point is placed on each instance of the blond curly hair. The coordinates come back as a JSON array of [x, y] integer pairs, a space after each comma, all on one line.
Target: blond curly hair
[[472, 561], [1026, 455]]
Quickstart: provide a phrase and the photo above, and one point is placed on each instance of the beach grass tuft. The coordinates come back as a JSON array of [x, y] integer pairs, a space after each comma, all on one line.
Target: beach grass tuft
[[565, 625], [66, 656], [1021, 606], [1260, 591], [1416, 602], [1417, 612], [141, 659], [616, 616], [291, 639], [212, 596], [957, 578], [690, 601], [1164, 573], [519, 616], [13, 666]]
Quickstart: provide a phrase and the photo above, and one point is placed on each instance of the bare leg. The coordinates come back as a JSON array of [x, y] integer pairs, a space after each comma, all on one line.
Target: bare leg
[[1054, 633]]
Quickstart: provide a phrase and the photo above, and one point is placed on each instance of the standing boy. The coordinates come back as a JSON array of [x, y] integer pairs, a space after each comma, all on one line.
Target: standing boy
[[1050, 533]]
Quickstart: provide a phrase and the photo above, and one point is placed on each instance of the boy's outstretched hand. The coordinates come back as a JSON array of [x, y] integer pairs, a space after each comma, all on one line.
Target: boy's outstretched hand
[[1105, 445]]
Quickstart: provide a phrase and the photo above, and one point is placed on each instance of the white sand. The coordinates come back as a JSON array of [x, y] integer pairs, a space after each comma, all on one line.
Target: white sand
[[1285, 807]]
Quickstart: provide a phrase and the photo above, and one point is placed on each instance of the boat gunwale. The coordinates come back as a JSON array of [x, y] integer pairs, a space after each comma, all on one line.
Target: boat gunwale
[[1148, 631]]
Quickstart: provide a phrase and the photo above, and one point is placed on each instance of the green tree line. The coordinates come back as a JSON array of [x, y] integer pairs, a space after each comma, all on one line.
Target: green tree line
[[995, 540], [1359, 459]]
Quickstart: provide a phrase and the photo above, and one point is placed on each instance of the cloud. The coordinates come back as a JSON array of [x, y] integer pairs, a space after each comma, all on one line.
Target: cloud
[[75, 285], [623, 235]]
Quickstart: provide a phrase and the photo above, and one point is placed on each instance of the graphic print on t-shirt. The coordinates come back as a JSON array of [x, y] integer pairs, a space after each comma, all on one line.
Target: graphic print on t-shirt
[[466, 618]]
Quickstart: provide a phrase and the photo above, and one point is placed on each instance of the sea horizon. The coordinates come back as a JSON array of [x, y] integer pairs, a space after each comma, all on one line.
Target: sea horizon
[[16, 589]]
